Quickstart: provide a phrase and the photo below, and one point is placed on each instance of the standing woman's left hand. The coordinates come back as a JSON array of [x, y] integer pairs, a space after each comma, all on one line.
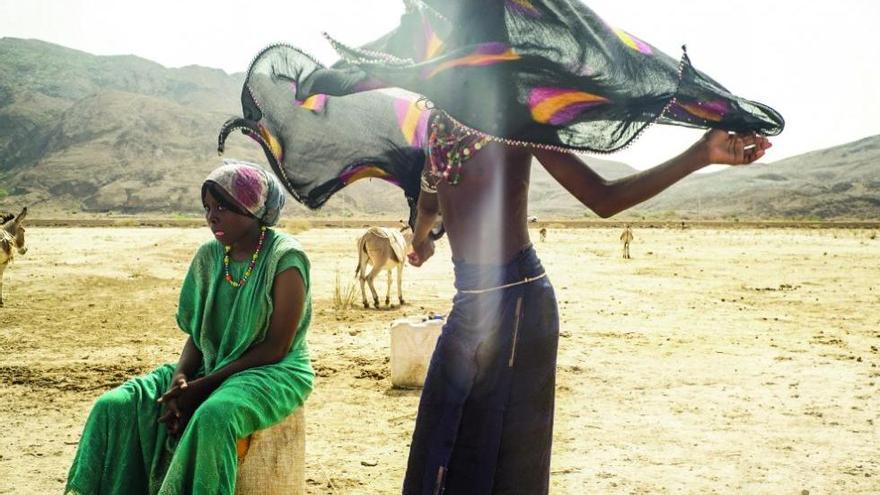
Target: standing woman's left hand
[[724, 148]]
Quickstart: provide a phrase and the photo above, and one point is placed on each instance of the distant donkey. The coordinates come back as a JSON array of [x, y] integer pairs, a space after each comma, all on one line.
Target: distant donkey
[[11, 237], [385, 249], [626, 237]]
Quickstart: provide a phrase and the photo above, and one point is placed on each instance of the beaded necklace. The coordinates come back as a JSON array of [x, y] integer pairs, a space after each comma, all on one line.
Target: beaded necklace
[[250, 268], [449, 146]]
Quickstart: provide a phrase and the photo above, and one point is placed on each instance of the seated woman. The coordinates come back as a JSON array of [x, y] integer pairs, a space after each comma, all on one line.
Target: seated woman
[[246, 306]]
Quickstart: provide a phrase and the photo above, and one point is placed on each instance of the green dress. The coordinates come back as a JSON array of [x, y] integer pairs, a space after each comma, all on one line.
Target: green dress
[[124, 450]]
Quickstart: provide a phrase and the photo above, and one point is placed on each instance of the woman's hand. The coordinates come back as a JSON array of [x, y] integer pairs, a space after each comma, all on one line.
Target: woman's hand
[[187, 397], [724, 148], [181, 401], [173, 418], [179, 383], [421, 252]]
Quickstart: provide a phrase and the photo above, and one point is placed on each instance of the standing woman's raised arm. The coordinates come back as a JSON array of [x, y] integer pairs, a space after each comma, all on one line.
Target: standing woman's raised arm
[[609, 197]]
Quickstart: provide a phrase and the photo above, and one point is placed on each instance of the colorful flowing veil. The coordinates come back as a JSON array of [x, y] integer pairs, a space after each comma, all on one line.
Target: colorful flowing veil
[[547, 73], [319, 144]]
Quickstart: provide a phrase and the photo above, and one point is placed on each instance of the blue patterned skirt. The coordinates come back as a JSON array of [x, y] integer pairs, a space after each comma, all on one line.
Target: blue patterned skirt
[[485, 419]]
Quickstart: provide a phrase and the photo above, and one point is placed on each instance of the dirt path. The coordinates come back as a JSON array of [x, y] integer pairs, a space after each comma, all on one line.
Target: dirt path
[[715, 361]]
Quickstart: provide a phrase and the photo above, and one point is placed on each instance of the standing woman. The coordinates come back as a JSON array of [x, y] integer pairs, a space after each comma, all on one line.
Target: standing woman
[[246, 307]]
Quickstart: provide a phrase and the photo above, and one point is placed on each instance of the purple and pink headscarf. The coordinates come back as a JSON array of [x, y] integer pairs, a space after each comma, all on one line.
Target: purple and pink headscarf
[[253, 189]]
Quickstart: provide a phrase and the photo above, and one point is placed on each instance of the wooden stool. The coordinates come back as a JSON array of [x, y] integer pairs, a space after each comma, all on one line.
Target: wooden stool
[[272, 461]]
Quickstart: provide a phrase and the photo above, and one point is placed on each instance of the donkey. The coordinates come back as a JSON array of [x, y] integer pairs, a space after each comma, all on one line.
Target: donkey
[[11, 239], [385, 249]]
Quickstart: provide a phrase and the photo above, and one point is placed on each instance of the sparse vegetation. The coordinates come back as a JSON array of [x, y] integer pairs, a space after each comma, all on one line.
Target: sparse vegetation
[[296, 225], [343, 297], [811, 218]]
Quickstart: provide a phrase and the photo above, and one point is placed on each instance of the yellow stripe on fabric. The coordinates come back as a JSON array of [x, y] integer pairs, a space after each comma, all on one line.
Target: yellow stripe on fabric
[[311, 102], [701, 112], [410, 122], [627, 39], [366, 173], [434, 46], [475, 59], [526, 4], [544, 111], [273, 143]]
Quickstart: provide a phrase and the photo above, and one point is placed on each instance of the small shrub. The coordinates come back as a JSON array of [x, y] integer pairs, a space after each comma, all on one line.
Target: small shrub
[[297, 225], [343, 297]]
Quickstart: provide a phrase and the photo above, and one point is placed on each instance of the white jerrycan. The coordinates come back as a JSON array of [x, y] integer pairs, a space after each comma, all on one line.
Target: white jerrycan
[[412, 344]]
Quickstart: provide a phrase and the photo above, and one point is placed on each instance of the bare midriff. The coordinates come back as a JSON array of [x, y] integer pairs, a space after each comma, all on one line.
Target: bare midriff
[[486, 213]]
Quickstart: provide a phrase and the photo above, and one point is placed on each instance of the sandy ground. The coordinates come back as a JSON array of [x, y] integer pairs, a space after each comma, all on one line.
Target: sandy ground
[[715, 361]]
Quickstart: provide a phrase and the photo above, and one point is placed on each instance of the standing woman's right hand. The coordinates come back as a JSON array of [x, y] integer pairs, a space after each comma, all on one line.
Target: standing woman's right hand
[[421, 252]]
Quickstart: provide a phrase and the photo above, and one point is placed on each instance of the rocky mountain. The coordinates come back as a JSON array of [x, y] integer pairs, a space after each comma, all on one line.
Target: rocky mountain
[[86, 133], [833, 183], [83, 133], [842, 182]]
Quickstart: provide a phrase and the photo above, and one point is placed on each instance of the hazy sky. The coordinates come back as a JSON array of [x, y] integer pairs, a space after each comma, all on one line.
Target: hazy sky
[[814, 61]]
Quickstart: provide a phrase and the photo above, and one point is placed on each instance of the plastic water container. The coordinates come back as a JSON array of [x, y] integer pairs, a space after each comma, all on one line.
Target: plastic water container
[[412, 344]]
